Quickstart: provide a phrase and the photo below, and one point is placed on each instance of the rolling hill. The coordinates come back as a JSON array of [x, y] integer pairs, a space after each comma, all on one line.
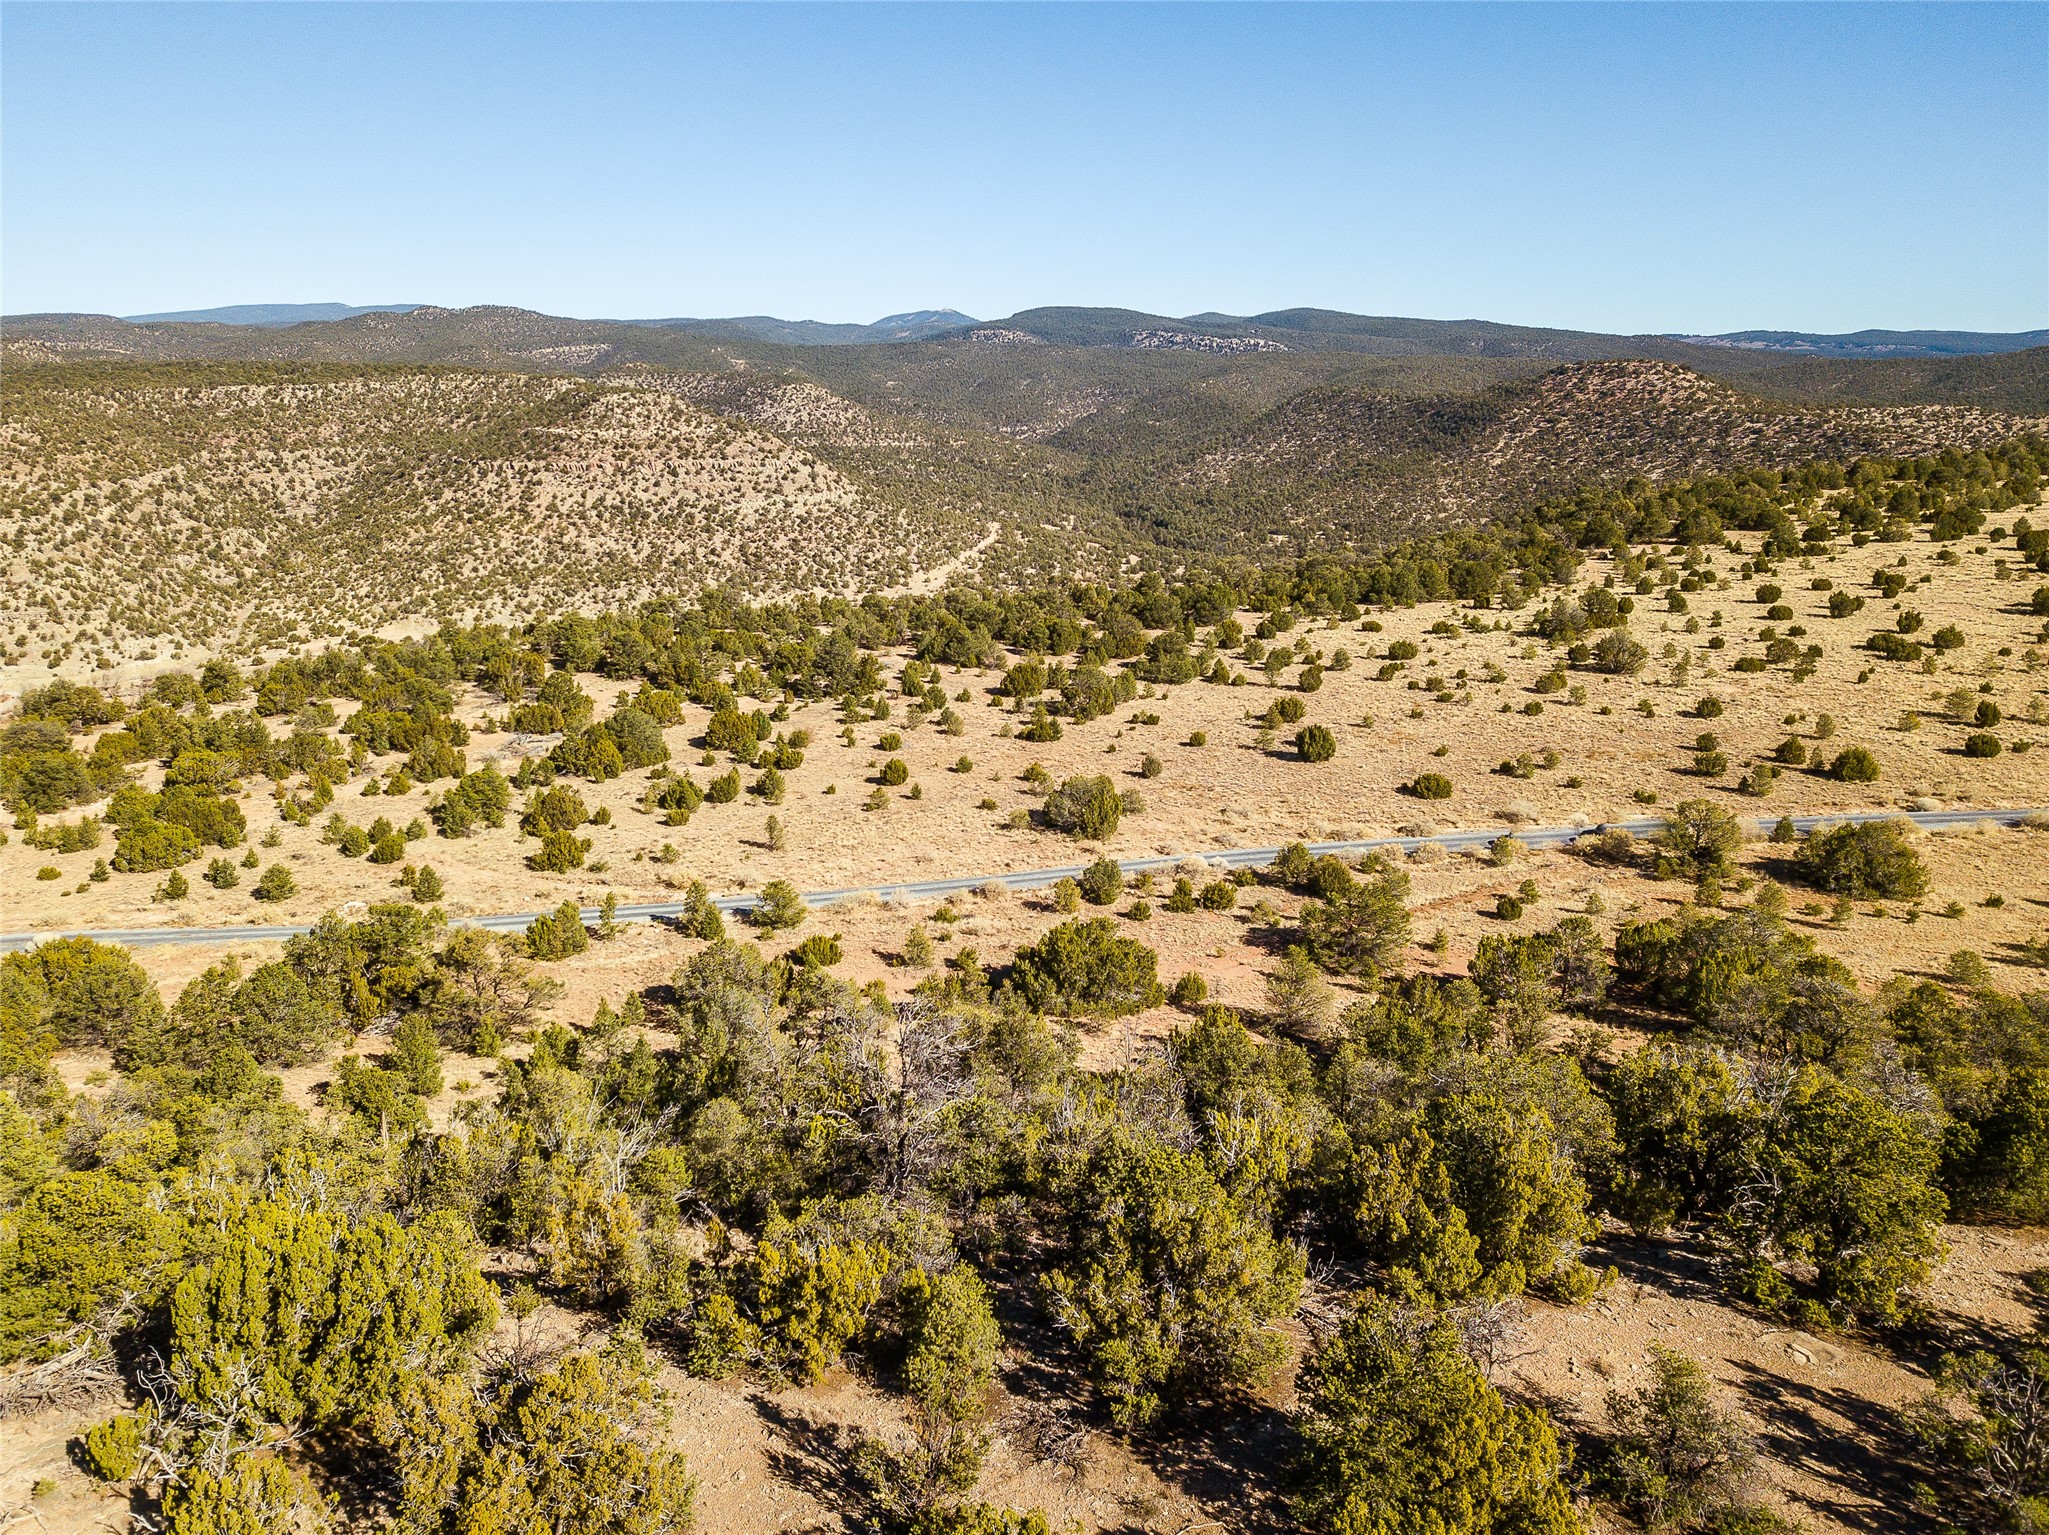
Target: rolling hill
[[216, 486]]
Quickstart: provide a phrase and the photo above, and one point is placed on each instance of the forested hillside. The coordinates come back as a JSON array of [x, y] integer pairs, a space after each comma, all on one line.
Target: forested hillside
[[235, 506], [241, 506]]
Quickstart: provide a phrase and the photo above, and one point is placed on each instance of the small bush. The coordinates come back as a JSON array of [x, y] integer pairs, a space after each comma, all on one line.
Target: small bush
[[1219, 895], [1428, 786], [560, 852], [113, 1449], [557, 934], [1677, 1460], [779, 906], [1871, 858], [1981, 743], [1190, 991], [1086, 965], [821, 951], [1854, 765], [276, 884], [1101, 882], [1316, 743], [1043, 728], [1088, 808]]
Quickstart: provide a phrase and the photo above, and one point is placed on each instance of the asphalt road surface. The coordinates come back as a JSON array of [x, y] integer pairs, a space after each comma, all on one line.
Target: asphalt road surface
[[1038, 879]]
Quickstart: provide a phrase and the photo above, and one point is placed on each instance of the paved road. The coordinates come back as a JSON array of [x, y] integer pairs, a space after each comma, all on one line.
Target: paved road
[[1037, 879]]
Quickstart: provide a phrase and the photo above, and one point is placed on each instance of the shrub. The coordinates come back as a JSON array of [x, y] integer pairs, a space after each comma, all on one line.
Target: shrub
[[1428, 786], [1219, 895], [560, 852], [1698, 839], [556, 809], [1400, 1431], [1316, 743], [276, 884], [113, 1449], [779, 906], [820, 951], [1676, 1459], [148, 845], [1169, 1287], [1982, 1428], [1086, 965], [1101, 882], [1869, 858], [895, 773], [1847, 1185], [1997, 1164], [1508, 908], [1682, 1130], [1190, 991], [978, 1519], [1042, 727], [1854, 765], [1981, 743], [222, 874], [1284, 711], [1363, 929], [1611, 844], [1709, 708], [589, 753], [637, 737], [1620, 655], [557, 934], [1088, 808], [728, 730], [477, 799]]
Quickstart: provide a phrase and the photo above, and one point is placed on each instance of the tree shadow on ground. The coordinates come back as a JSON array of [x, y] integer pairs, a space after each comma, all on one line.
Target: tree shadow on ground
[[1868, 1472], [1228, 1454], [1672, 1265], [812, 1453]]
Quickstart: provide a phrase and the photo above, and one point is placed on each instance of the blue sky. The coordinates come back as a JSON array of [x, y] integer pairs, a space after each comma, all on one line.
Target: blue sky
[[1626, 168]]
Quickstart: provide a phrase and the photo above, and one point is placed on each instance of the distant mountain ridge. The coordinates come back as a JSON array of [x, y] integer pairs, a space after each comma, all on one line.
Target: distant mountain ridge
[[1879, 343], [916, 325], [1035, 372], [1213, 332], [269, 315]]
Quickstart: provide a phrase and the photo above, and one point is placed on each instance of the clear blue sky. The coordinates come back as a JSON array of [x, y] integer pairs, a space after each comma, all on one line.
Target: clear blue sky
[[1614, 167]]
